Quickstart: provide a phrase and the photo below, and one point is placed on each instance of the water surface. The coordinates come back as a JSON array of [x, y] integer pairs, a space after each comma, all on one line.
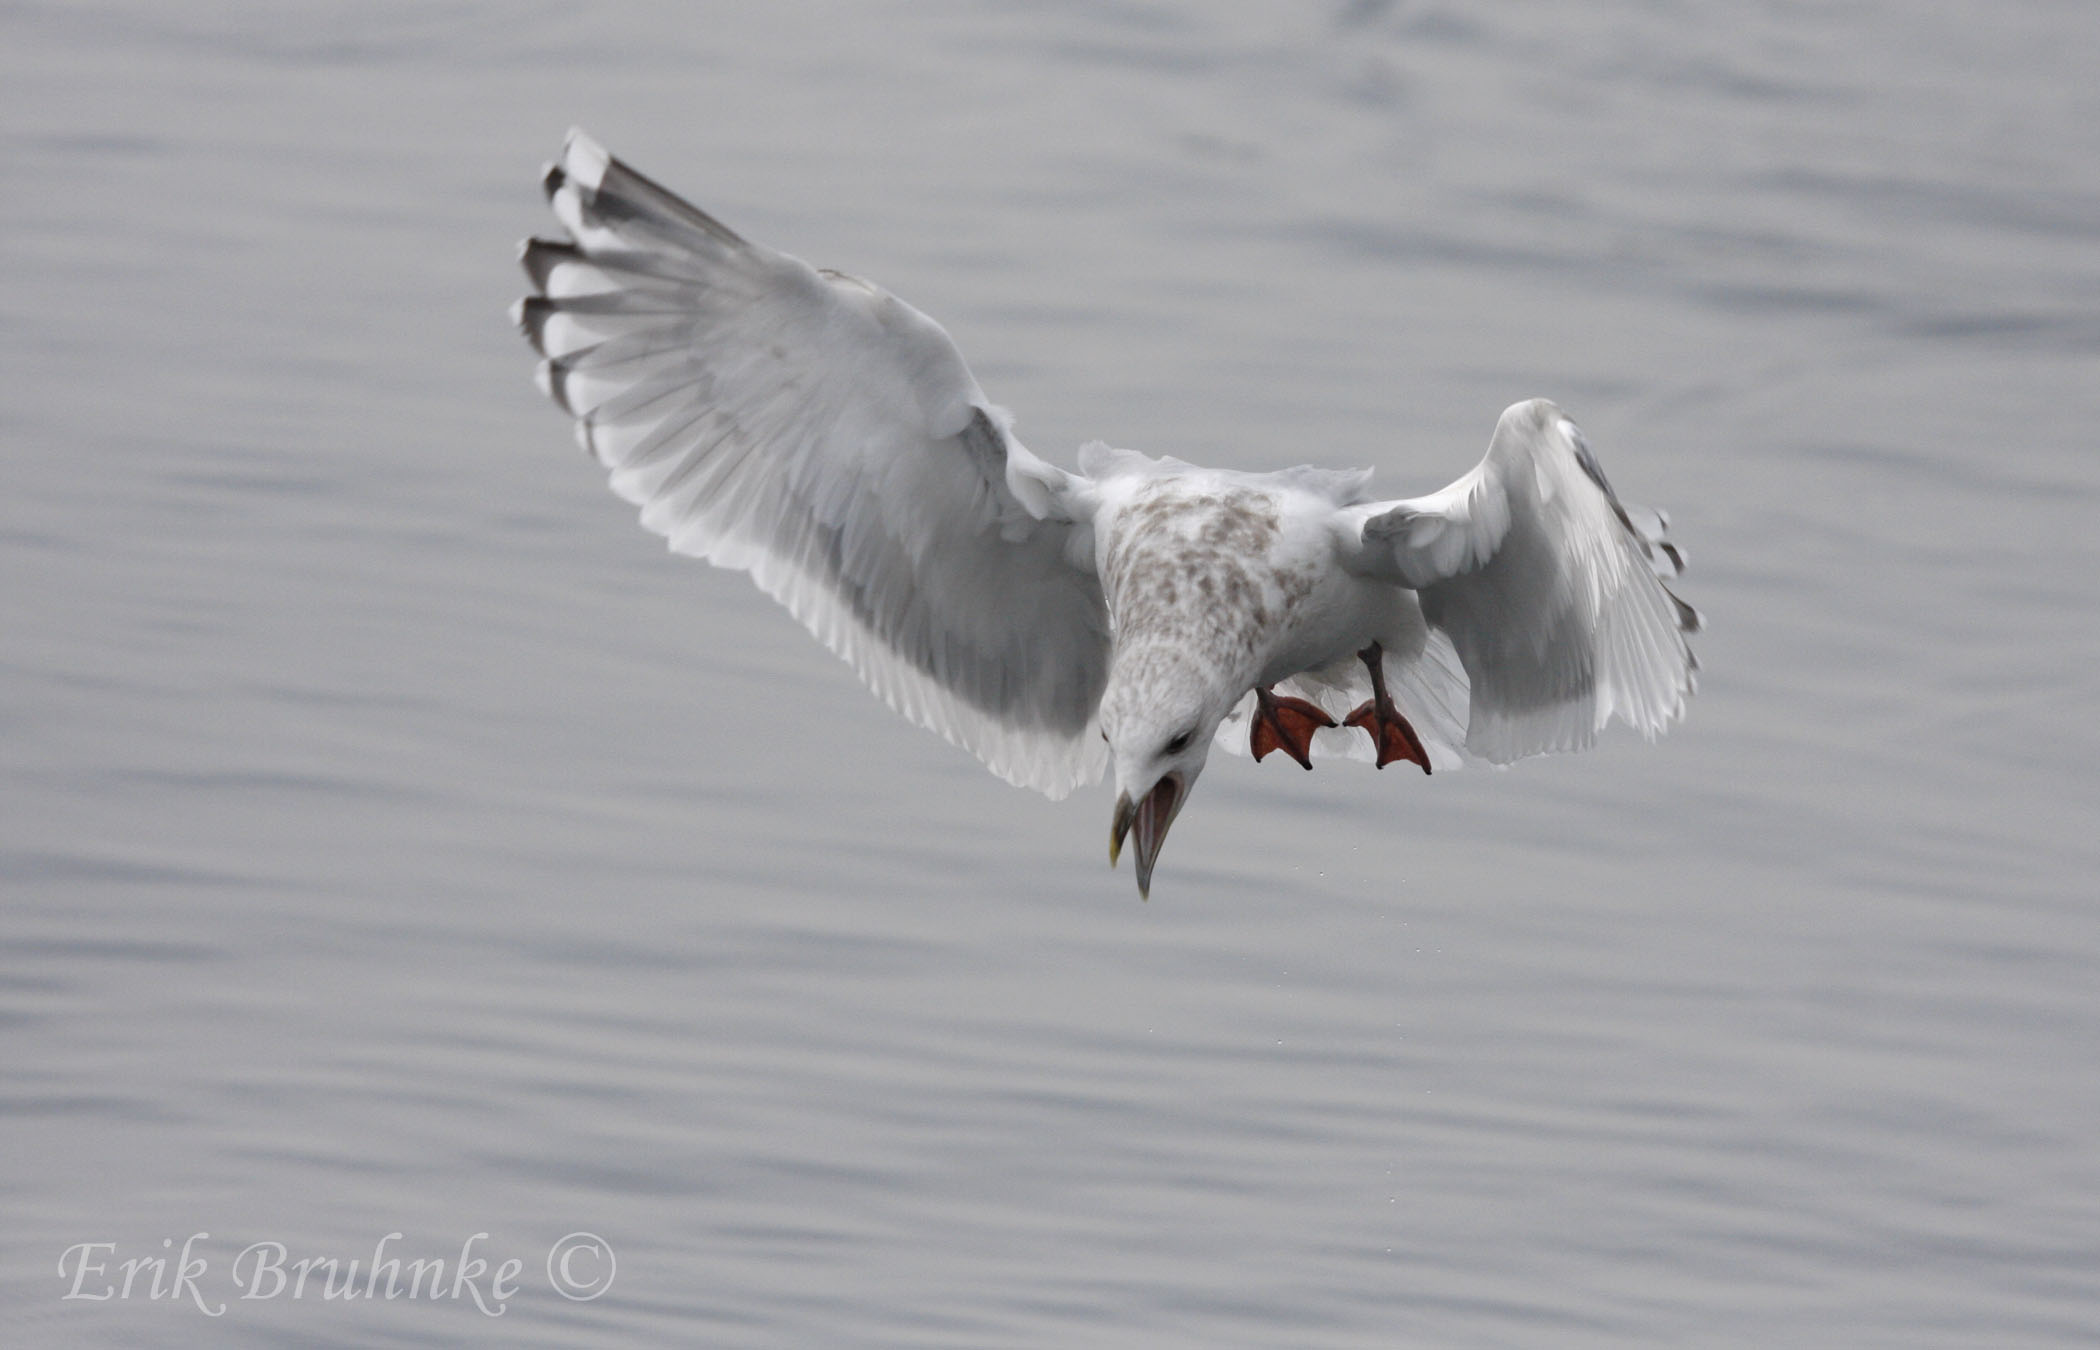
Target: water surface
[[394, 839]]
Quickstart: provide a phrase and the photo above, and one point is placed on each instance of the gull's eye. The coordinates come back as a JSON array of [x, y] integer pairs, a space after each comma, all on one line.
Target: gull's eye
[[1180, 743]]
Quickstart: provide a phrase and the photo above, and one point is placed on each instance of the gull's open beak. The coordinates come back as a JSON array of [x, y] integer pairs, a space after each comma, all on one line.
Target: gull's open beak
[[1149, 819]]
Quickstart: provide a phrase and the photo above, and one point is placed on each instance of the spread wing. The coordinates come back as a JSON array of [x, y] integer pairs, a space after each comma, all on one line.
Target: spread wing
[[1550, 590], [817, 432]]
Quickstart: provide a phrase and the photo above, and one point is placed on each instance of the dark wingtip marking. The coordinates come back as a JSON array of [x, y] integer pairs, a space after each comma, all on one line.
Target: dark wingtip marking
[[625, 191], [532, 313], [551, 180], [553, 382], [539, 258], [587, 437]]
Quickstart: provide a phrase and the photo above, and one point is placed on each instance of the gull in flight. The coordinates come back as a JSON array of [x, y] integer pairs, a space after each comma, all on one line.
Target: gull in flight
[[815, 431]]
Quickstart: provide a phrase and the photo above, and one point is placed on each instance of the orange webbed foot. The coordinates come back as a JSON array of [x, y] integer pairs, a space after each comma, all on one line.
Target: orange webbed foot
[[1286, 724], [1390, 732]]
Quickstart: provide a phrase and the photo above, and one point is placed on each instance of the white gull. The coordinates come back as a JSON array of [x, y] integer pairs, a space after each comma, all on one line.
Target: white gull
[[817, 432]]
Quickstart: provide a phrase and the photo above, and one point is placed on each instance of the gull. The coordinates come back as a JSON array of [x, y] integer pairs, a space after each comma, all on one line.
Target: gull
[[815, 431]]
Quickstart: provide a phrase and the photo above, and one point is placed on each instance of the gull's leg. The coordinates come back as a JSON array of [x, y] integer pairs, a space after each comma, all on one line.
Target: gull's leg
[[1286, 724], [1390, 732]]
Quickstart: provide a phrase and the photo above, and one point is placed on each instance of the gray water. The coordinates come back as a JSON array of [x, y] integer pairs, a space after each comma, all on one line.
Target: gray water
[[395, 840]]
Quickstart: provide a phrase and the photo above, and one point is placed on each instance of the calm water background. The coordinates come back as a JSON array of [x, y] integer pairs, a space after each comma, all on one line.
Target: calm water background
[[395, 839]]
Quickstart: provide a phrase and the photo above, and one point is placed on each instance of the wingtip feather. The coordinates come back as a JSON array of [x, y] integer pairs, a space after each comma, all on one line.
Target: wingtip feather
[[548, 380], [584, 160], [539, 257]]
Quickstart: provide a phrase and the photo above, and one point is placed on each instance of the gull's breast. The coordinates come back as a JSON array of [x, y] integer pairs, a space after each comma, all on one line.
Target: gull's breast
[[1240, 576]]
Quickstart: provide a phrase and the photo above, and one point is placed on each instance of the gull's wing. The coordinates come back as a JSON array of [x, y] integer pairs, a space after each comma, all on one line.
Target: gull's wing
[[817, 432], [1547, 586]]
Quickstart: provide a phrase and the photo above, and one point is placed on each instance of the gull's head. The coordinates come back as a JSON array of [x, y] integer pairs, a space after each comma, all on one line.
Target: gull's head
[[1158, 715]]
